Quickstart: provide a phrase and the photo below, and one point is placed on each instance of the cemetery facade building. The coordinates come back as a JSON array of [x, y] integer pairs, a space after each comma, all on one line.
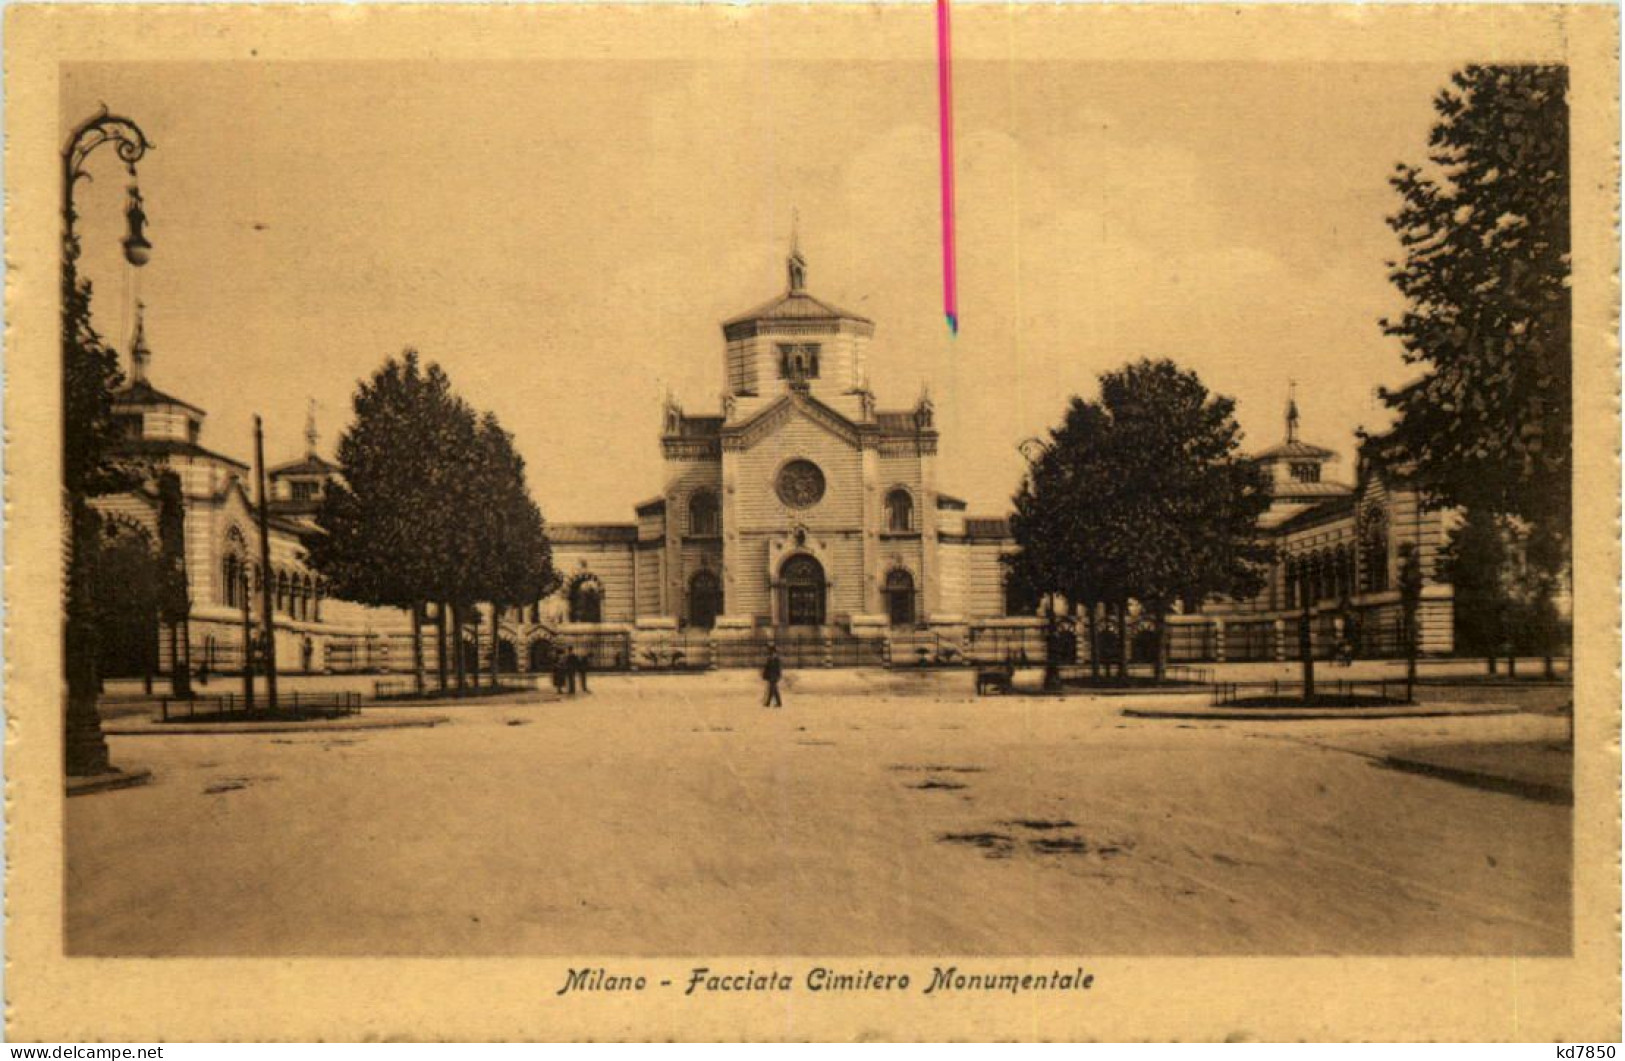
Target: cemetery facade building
[[802, 505], [802, 509]]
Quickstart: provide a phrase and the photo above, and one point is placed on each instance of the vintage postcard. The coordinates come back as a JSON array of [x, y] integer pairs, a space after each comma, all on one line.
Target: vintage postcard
[[812, 522]]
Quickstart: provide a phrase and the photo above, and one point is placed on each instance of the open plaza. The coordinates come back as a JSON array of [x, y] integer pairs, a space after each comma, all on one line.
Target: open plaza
[[883, 811]]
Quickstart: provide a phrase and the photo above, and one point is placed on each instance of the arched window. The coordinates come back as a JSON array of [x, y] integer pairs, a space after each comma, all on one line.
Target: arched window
[[900, 597], [586, 600], [704, 600], [899, 511], [231, 581], [704, 515]]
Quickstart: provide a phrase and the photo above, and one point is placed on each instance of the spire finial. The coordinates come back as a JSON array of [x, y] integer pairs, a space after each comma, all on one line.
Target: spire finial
[[1292, 410], [310, 429], [797, 265], [140, 356]]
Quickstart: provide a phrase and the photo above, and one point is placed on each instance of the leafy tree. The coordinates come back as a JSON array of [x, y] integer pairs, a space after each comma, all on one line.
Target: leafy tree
[[1064, 549], [516, 565], [1485, 230], [433, 508], [1187, 502], [1476, 562], [90, 375], [390, 520], [1143, 497]]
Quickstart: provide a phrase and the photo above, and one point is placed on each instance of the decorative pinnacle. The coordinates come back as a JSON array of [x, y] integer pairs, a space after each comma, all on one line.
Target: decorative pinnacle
[[310, 429], [140, 355], [796, 264]]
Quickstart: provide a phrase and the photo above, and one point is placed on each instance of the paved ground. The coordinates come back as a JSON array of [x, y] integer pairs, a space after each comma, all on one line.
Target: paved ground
[[879, 813]]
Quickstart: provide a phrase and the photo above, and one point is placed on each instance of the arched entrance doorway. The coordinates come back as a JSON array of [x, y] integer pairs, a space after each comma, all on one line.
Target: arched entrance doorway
[[507, 658], [541, 655], [803, 581], [704, 600], [900, 597]]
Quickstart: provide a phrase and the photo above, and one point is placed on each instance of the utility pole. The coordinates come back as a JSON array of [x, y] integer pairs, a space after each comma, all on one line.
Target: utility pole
[[268, 617], [247, 587]]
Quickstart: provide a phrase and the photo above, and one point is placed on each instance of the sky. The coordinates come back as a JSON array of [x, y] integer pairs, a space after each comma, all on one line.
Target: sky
[[565, 238]]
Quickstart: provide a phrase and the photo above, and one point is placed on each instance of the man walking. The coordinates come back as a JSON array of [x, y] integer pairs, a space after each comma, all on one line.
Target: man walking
[[583, 664], [772, 671]]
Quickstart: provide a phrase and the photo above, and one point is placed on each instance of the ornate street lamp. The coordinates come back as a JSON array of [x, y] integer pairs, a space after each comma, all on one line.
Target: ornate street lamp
[[85, 749]]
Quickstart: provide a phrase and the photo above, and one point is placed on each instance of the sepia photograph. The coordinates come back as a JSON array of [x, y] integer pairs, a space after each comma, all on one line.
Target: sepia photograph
[[873, 508]]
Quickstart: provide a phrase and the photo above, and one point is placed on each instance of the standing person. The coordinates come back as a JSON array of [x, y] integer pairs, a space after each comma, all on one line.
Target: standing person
[[570, 669], [772, 671], [583, 664], [558, 672]]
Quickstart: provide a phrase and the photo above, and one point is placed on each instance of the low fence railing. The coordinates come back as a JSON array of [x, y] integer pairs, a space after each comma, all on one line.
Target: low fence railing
[[224, 705], [924, 648], [802, 651], [684, 652], [1351, 691], [406, 688]]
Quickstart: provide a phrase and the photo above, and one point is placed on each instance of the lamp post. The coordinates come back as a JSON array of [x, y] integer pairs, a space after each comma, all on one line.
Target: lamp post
[[85, 749]]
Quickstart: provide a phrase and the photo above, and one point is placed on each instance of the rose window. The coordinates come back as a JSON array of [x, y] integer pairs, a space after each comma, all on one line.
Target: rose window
[[801, 484]]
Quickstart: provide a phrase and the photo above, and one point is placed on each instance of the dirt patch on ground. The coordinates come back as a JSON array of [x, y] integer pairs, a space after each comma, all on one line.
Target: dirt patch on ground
[[936, 768], [937, 783], [994, 845], [233, 784], [1004, 845]]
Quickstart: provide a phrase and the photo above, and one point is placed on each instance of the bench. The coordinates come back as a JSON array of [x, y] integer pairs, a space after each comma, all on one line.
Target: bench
[[994, 678]]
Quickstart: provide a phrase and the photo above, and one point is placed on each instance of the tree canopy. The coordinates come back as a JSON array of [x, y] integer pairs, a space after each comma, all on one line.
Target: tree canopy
[[1484, 226], [432, 504], [1142, 495]]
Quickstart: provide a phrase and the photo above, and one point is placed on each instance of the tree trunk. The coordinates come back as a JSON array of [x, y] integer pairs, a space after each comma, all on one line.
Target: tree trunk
[[1512, 664], [149, 653], [1123, 641], [1094, 643], [417, 647], [440, 642], [1160, 664], [180, 677], [457, 648], [1489, 662], [496, 641], [1306, 650], [85, 749], [1052, 670]]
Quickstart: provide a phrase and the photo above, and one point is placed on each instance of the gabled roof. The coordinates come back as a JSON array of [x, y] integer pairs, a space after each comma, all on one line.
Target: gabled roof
[[795, 305], [1300, 450], [1313, 514], [167, 447], [141, 392], [310, 464], [815, 410]]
